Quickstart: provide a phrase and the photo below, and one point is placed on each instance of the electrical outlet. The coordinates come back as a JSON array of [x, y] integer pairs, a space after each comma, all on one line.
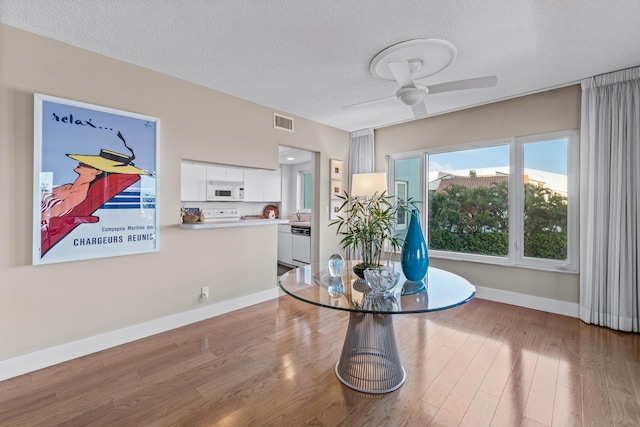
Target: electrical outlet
[[204, 294]]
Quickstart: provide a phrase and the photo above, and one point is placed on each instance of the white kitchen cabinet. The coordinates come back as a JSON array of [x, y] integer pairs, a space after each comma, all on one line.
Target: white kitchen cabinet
[[285, 244], [272, 186], [234, 174], [216, 173], [193, 182], [262, 185], [253, 186], [259, 185], [224, 174]]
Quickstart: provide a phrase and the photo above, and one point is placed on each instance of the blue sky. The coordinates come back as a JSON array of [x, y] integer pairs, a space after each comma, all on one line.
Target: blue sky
[[549, 156]]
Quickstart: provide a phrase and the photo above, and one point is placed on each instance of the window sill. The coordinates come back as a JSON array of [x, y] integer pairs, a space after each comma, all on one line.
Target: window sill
[[499, 262]]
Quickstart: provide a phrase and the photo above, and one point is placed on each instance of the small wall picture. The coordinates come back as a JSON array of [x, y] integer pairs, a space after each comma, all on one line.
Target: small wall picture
[[336, 188], [334, 208], [336, 169]]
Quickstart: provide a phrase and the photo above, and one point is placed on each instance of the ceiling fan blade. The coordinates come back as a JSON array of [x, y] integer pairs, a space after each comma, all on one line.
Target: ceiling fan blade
[[402, 73], [477, 83], [365, 103], [419, 110]]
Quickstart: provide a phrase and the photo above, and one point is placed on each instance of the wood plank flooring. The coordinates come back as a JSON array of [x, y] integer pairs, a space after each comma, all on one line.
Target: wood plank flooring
[[481, 364]]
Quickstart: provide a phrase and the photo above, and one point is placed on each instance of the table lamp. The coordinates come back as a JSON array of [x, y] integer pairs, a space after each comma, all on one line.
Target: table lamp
[[368, 184]]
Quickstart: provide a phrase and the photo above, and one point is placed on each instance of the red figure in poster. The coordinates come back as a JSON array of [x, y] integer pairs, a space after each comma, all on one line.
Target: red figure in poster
[[100, 178]]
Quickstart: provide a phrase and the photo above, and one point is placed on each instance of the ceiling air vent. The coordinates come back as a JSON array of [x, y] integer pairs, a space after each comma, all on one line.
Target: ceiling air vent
[[282, 122]]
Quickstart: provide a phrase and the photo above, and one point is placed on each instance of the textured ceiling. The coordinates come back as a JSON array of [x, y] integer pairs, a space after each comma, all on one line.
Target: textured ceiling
[[311, 57]]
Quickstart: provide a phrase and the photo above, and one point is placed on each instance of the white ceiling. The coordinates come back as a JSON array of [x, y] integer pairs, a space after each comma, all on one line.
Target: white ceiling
[[292, 156], [310, 58]]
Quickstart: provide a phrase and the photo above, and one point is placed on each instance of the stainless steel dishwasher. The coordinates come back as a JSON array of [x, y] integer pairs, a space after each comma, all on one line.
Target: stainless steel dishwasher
[[301, 245]]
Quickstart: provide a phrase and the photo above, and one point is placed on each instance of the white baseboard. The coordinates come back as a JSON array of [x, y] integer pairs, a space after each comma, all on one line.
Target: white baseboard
[[549, 305], [20, 365]]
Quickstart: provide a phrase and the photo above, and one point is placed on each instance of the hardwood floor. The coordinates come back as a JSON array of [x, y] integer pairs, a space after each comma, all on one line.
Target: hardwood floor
[[282, 269], [481, 364]]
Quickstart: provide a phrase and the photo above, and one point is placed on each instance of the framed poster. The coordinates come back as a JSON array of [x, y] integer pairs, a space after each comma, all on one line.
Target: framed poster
[[336, 169], [336, 188], [95, 181]]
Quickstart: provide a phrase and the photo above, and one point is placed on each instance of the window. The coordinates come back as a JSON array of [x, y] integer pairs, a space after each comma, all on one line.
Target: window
[[508, 202], [547, 201], [407, 179], [308, 190], [469, 201], [305, 191]]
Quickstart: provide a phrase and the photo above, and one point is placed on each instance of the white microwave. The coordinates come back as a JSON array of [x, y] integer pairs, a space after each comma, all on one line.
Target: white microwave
[[219, 191]]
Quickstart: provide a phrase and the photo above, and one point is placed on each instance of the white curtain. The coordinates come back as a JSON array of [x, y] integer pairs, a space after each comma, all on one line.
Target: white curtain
[[361, 151], [361, 160], [609, 198]]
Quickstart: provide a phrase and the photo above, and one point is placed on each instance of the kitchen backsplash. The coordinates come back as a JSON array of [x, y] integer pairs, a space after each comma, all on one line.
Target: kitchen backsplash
[[245, 208]]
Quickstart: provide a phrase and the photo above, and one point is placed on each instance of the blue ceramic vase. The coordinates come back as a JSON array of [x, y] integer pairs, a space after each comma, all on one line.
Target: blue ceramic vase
[[415, 258]]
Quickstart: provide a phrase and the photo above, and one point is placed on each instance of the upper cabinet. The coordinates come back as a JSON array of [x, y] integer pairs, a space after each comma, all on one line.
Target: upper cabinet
[[262, 185], [272, 185], [253, 185], [234, 174], [259, 185], [224, 174], [193, 182]]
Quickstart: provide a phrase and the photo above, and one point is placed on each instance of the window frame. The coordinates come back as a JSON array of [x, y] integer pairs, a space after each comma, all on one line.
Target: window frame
[[391, 179], [573, 181], [300, 191], [516, 257]]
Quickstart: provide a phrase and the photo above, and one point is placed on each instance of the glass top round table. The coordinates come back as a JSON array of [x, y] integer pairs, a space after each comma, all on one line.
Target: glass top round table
[[370, 360]]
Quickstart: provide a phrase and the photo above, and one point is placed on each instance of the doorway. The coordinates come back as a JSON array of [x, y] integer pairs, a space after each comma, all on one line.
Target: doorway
[[298, 195]]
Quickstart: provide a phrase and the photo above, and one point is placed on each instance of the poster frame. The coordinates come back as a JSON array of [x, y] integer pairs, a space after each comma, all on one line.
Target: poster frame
[[97, 127]]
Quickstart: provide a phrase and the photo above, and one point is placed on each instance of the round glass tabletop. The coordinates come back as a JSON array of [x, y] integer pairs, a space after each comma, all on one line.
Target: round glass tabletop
[[439, 290]]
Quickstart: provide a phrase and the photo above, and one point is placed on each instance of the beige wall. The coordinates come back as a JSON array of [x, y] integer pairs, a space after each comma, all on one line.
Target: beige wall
[[47, 305], [540, 113]]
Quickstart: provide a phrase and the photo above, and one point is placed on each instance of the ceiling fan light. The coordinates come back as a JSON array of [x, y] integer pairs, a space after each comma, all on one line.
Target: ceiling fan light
[[411, 96]]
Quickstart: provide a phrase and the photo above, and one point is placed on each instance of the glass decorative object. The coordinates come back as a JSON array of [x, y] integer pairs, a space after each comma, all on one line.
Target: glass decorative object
[[415, 258], [336, 265], [336, 287], [381, 280]]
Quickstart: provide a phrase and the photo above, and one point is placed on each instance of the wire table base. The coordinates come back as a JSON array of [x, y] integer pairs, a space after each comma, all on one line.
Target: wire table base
[[370, 361]]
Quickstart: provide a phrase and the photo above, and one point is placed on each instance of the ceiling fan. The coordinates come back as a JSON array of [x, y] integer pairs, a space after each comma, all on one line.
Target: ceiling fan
[[416, 59]]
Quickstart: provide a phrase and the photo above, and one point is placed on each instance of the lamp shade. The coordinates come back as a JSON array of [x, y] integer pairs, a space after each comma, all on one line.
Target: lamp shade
[[368, 184]]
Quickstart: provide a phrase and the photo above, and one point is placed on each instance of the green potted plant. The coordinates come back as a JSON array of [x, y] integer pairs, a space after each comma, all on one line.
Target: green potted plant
[[366, 223]]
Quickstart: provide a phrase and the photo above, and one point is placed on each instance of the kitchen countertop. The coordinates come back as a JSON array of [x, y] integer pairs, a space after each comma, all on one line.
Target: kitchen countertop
[[242, 223], [233, 223]]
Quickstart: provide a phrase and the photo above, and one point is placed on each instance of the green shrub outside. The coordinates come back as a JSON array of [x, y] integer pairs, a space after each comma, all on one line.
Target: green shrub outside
[[476, 221]]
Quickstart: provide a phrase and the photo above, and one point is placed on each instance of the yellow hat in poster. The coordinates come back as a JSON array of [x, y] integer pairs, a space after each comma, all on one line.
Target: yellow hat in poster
[[110, 161]]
